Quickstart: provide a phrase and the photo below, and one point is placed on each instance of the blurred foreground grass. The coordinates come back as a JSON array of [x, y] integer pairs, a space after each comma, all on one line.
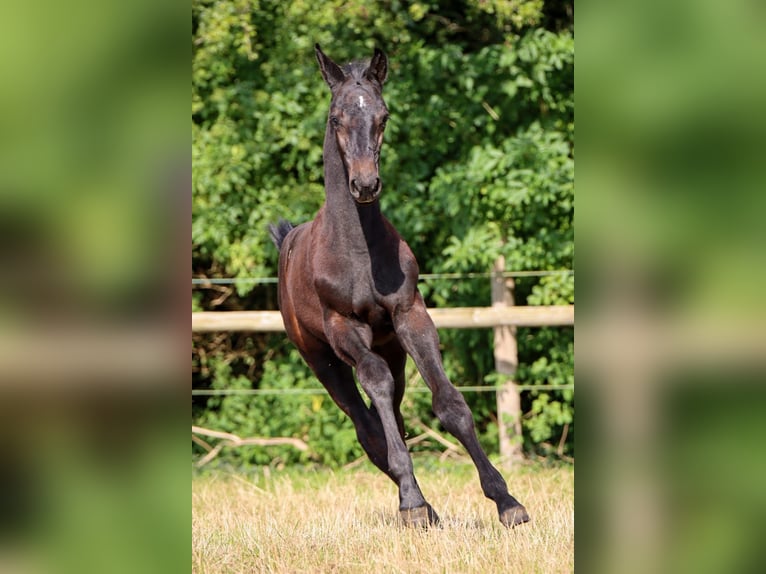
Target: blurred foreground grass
[[671, 266], [94, 219]]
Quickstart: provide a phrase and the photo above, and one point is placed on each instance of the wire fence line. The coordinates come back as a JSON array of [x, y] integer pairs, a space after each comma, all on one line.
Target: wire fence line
[[321, 391], [196, 281]]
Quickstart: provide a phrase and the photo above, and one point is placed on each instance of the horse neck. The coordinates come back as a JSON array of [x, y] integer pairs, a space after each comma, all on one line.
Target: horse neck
[[342, 212]]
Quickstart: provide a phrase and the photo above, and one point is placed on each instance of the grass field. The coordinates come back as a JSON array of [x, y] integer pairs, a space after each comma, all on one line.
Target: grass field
[[347, 521]]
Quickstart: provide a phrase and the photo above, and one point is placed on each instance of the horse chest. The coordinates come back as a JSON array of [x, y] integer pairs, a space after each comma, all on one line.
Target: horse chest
[[366, 284], [363, 299], [353, 294]]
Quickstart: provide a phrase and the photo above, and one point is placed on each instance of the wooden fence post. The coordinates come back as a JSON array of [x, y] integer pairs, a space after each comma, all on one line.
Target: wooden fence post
[[506, 363]]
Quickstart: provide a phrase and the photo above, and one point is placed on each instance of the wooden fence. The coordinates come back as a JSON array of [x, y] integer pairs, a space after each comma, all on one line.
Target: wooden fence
[[444, 318]]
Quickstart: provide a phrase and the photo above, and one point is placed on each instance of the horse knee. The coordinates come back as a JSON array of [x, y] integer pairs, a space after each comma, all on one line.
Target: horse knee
[[453, 412], [375, 377]]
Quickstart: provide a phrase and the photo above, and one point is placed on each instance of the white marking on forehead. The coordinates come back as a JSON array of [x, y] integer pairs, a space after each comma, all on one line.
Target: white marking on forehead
[[361, 101]]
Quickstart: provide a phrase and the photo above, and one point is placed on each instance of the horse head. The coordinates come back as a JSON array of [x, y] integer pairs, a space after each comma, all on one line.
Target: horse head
[[357, 119]]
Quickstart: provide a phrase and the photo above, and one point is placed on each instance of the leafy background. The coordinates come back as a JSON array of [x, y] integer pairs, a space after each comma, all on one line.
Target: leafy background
[[478, 162]]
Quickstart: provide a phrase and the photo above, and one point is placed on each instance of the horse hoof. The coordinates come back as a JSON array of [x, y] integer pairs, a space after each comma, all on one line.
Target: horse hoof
[[514, 516], [420, 517]]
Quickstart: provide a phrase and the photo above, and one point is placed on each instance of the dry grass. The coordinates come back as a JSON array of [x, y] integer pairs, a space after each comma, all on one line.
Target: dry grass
[[347, 521]]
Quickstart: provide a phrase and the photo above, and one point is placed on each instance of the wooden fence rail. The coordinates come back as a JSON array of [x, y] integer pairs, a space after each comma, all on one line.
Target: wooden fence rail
[[444, 318]]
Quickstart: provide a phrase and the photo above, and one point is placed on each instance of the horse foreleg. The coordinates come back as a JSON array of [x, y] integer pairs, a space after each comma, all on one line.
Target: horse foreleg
[[419, 338], [351, 340]]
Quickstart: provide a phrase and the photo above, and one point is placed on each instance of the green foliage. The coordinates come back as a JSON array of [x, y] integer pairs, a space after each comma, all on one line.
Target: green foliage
[[312, 418], [549, 411], [478, 162]]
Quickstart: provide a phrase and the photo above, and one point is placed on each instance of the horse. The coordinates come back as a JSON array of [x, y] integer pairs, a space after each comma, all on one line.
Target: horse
[[348, 295]]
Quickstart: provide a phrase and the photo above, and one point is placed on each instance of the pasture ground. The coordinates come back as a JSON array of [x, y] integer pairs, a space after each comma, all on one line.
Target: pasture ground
[[347, 521]]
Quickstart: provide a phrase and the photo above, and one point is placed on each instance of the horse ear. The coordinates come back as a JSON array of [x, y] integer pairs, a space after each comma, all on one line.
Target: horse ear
[[331, 72], [377, 71]]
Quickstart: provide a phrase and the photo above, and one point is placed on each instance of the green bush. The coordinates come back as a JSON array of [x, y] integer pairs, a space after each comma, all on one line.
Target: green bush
[[313, 418]]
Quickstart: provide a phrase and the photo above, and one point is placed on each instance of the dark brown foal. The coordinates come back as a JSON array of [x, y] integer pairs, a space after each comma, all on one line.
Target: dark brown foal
[[349, 298]]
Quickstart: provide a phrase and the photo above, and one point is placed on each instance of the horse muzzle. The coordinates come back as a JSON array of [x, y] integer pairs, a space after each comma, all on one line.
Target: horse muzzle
[[365, 190]]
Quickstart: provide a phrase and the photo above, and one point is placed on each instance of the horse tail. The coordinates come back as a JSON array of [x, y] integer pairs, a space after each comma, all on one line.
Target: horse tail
[[279, 231]]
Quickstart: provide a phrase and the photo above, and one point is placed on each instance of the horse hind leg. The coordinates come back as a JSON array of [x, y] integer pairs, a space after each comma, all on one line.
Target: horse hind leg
[[337, 377], [396, 358]]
